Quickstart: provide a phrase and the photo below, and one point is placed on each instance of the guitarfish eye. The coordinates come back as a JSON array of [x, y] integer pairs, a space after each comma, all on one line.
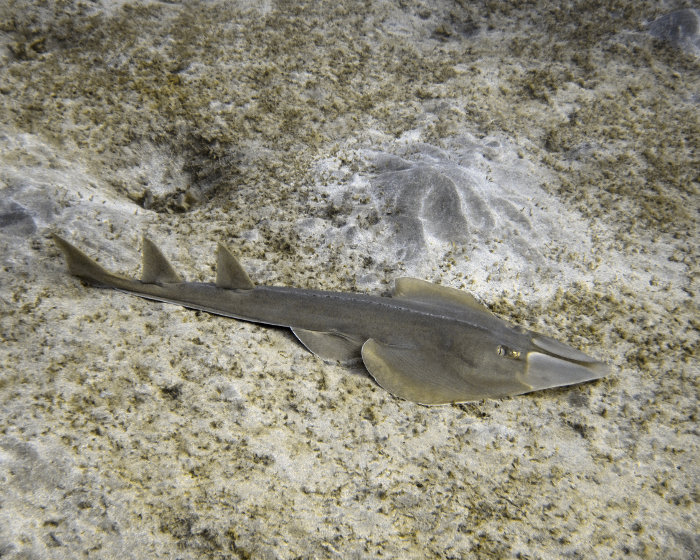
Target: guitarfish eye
[[508, 352]]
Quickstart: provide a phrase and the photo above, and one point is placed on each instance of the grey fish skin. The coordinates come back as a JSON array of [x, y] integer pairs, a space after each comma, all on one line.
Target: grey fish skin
[[427, 343]]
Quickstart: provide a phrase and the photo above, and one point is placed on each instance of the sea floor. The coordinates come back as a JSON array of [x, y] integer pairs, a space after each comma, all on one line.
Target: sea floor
[[544, 159]]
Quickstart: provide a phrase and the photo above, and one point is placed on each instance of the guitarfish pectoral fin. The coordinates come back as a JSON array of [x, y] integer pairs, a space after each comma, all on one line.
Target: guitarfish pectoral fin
[[429, 376], [433, 377], [338, 347]]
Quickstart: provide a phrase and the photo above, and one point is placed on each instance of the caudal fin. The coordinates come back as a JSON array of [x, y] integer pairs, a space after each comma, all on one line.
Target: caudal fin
[[82, 266]]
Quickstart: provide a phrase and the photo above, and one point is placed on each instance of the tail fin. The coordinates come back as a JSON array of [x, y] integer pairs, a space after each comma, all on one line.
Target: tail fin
[[82, 266]]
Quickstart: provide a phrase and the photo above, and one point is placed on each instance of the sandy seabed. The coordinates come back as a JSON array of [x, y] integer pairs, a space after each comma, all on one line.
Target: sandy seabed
[[545, 159]]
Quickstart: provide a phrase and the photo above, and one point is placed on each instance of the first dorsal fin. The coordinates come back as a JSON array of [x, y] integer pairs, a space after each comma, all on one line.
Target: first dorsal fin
[[156, 268], [414, 289], [229, 272]]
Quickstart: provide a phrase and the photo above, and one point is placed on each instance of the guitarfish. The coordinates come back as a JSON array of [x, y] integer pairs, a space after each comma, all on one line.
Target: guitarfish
[[426, 343]]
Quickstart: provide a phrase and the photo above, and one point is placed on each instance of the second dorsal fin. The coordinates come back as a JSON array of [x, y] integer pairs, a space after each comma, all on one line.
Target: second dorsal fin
[[156, 268], [229, 272]]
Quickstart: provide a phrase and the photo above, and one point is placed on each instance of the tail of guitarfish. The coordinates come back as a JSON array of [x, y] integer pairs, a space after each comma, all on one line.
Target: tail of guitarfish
[[82, 266], [156, 268]]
